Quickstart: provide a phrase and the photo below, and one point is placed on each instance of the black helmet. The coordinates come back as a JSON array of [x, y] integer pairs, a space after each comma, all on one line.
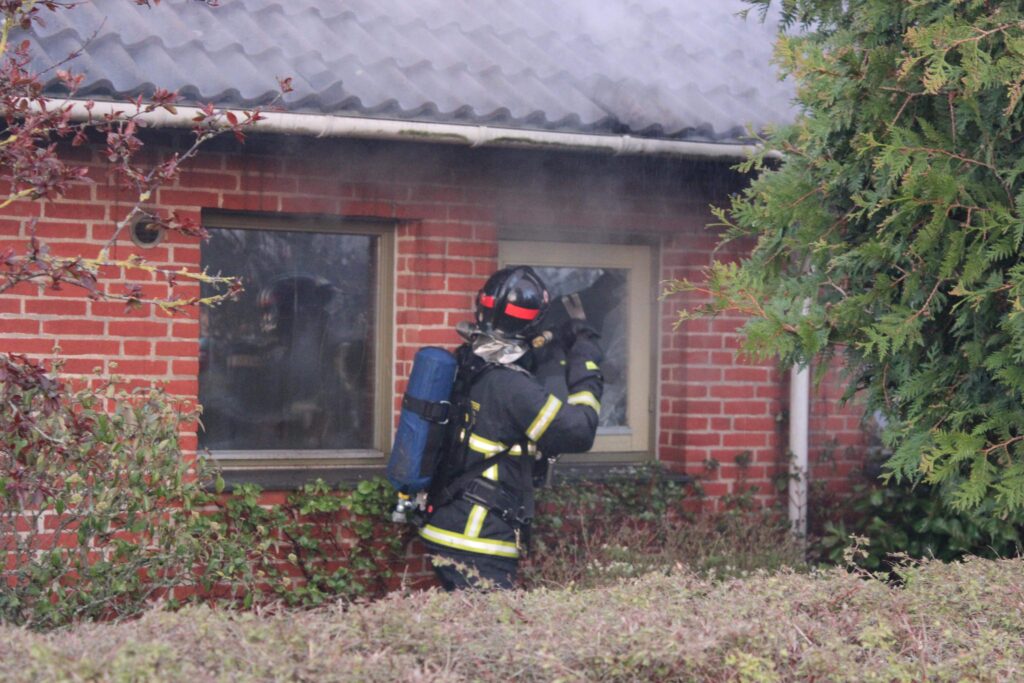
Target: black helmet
[[512, 303]]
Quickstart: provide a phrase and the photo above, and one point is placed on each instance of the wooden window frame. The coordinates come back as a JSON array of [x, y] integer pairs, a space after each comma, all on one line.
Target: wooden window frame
[[613, 444], [234, 461]]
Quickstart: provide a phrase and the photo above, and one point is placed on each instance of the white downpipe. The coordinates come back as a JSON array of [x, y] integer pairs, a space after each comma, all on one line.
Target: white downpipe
[[322, 125], [799, 417]]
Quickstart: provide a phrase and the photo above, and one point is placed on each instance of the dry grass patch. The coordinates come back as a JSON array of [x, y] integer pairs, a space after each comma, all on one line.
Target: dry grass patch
[[953, 622]]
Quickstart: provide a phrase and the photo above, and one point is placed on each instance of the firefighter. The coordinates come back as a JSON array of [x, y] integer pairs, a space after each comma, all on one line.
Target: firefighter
[[511, 418]]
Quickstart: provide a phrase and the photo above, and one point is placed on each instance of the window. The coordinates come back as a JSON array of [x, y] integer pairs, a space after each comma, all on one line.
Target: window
[[296, 372], [614, 283]]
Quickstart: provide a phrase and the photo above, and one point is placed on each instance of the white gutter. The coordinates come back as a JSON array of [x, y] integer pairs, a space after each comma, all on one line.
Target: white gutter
[[326, 126]]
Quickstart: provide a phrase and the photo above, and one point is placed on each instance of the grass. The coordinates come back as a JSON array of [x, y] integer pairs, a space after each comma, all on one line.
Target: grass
[[961, 621]]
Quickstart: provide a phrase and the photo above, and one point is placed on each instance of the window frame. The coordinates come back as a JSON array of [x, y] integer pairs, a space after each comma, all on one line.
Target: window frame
[[638, 260], [239, 460]]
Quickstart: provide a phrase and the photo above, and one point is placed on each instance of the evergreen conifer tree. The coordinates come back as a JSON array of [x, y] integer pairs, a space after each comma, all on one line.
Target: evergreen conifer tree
[[896, 215]]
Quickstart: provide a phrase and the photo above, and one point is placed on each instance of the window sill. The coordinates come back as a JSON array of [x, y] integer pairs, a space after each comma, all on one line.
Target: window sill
[[294, 478]]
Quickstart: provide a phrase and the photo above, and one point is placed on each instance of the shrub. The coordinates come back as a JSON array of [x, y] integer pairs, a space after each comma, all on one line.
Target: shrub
[[949, 622], [100, 513], [903, 519], [320, 545], [594, 533], [97, 505]]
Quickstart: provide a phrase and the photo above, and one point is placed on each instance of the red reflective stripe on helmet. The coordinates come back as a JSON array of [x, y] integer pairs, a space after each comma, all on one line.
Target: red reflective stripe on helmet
[[520, 312], [487, 301]]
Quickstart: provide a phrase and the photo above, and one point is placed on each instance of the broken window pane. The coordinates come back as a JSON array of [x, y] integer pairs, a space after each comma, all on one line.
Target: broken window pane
[[291, 364], [604, 295]]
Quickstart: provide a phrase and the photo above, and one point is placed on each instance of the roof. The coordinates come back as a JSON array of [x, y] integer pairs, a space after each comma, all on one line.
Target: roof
[[675, 69]]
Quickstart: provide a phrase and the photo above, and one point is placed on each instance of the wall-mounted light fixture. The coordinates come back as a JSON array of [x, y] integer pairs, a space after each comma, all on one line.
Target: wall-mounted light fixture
[[146, 232]]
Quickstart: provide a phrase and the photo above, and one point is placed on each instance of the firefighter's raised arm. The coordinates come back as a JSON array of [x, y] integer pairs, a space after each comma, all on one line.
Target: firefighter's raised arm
[[562, 426]]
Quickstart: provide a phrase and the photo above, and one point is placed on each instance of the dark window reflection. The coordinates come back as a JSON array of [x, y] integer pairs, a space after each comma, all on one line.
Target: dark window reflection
[[604, 292], [290, 365]]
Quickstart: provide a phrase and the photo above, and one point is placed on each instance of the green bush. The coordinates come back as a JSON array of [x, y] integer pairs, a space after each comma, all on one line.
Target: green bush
[[97, 504], [594, 533], [100, 514], [898, 519], [948, 622], [319, 545]]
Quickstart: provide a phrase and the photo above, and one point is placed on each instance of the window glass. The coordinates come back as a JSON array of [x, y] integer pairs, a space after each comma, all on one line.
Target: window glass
[[291, 363], [603, 292]]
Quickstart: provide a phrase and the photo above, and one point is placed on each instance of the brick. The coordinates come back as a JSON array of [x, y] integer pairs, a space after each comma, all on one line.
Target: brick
[[90, 347], [429, 283], [185, 367], [251, 201], [482, 249], [465, 284], [701, 439], [186, 388], [420, 318], [732, 391], [755, 424], [423, 247], [137, 328], [746, 407], [141, 367], [439, 301], [172, 197], [439, 265], [18, 326], [429, 228], [54, 306], [115, 309], [187, 349], [185, 329], [82, 366], [194, 179], [430, 336], [75, 210], [137, 348], [745, 440], [61, 231], [23, 208], [437, 193], [702, 408], [746, 375], [73, 327], [369, 209]]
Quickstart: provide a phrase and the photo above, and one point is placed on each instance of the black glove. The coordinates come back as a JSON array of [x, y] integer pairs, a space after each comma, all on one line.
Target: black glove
[[572, 329], [550, 369], [585, 347]]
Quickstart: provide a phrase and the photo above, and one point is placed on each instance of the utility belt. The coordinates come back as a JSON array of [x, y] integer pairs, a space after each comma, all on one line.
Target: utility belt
[[497, 497]]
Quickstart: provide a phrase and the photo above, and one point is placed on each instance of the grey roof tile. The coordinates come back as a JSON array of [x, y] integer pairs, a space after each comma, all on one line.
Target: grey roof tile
[[665, 68]]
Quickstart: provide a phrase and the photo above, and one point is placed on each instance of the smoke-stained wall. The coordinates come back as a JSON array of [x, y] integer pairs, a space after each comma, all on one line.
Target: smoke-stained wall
[[716, 417]]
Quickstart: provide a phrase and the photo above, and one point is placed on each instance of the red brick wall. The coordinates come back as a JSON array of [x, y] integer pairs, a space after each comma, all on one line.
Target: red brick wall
[[449, 205]]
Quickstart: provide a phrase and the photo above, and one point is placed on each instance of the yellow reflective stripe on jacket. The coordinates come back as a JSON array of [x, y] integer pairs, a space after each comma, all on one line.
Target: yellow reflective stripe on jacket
[[591, 365], [475, 521], [485, 446], [531, 449], [585, 398], [544, 418], [451, 539]]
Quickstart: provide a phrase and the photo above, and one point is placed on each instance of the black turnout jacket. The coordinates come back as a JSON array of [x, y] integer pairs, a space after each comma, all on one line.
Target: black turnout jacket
[[528, 415]]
